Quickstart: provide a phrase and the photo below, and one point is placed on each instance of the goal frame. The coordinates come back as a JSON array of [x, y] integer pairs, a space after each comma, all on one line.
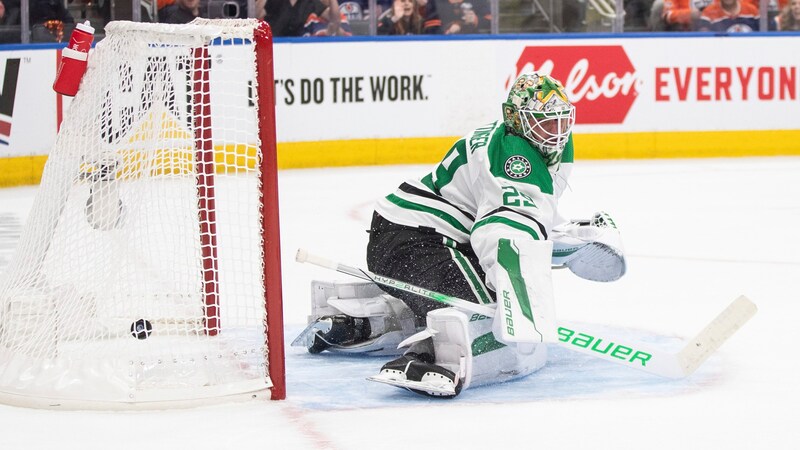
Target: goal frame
[[27, 287], [270, 220]]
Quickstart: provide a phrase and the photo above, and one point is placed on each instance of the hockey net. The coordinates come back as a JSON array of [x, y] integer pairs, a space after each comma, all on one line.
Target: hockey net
[[149, 270]]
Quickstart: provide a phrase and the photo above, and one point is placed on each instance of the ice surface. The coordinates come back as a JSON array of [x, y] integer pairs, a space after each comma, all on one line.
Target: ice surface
[[698, 233]]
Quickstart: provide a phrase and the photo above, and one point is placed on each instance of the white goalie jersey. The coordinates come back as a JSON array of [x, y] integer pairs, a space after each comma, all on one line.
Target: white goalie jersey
[[492, 184]]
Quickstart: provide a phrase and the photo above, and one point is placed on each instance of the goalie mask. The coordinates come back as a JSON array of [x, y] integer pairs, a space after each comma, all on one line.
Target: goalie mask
[[538, 110]]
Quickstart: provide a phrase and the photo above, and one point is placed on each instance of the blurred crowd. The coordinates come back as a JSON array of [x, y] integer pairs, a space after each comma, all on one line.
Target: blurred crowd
[[53, 20]]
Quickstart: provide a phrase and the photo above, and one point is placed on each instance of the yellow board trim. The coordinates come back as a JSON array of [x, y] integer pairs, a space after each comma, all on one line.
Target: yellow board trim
[[371, 152], [690, 144], [687, 144], [362, 152], [21, 170]]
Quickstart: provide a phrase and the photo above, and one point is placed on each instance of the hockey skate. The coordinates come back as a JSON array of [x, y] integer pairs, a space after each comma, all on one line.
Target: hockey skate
[[418, 374], [355, 318], [338, 330]]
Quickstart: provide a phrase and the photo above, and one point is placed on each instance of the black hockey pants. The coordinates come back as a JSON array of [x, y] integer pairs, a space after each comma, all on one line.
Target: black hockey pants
[[425, 258]]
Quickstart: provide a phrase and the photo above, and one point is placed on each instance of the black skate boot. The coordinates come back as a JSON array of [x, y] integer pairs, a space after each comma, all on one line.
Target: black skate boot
[[339, 330], [418, 373]]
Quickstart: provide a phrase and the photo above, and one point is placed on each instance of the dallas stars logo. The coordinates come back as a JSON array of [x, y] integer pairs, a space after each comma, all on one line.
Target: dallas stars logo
[[517, 167]]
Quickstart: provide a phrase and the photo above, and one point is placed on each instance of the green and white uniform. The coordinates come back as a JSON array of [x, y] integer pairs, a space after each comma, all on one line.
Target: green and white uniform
[[492, 184], [479, 228]]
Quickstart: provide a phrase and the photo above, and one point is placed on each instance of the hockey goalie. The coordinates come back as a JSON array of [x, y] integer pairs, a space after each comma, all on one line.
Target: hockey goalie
[[482, 226]]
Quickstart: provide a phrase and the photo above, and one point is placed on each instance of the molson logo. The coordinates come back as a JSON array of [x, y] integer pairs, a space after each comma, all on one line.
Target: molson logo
[[600, 79], [7, 97]]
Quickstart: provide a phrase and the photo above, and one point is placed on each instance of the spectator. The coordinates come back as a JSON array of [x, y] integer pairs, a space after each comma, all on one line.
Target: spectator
[[329, 22], [729, 16], [404, 18], [431, 23], [359, 9], [10, 15], [9, 22], [676, 15], [573, 15], [48, 19], [465, 17], [261, 12], [181, 11], [161, 4], [42, 11], [352, 10], [789, 17], [288, 17], [773, 9], [637, 15], [772, 5]]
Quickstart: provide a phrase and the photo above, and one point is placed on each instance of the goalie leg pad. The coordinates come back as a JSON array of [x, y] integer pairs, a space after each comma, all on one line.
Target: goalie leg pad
[[465, 353], [355, 318], [465, 344]]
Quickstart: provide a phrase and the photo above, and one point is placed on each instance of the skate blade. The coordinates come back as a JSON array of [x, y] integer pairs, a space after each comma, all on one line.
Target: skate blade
[[417, 385]]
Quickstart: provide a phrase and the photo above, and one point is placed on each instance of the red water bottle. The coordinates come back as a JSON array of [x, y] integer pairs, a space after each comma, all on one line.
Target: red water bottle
[[74, 59]]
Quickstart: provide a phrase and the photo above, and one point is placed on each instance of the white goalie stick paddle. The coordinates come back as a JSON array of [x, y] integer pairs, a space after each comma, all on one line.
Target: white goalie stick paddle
[[579, 338]]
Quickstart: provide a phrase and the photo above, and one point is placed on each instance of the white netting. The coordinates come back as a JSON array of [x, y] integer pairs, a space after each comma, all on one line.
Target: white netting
[[127, 228]]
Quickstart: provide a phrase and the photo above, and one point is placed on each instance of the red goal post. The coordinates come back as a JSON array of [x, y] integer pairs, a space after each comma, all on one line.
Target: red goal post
[[148, 273]]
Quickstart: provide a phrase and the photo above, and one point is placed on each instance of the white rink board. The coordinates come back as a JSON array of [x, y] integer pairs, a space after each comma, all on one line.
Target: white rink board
[[29, 105], [440, 88], [464, 82]]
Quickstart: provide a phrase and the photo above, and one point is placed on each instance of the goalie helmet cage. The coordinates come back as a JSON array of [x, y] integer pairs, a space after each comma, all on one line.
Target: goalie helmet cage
[[148, 273]]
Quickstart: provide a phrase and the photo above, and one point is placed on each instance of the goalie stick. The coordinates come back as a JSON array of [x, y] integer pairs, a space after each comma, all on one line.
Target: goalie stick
[[583, 340]]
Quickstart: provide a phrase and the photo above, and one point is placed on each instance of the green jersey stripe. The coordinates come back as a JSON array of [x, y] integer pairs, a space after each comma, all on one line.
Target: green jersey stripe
[[507, 222], [422, 208]]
